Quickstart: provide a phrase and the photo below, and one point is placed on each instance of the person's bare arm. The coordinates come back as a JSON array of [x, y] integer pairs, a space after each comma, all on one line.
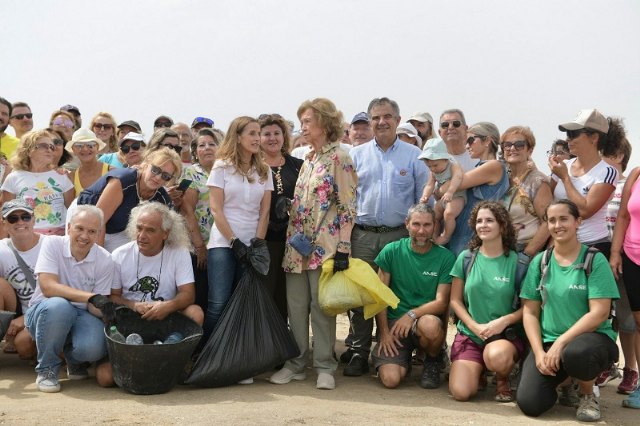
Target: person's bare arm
[[540, 203], [109, 201], [263, 221]]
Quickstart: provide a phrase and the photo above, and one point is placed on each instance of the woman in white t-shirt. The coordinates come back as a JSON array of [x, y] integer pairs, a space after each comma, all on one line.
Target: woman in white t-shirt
[[587, 180], [48, 192], [240, 197]]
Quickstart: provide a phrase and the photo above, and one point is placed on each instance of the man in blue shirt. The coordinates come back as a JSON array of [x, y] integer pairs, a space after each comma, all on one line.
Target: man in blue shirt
[[390, 180]]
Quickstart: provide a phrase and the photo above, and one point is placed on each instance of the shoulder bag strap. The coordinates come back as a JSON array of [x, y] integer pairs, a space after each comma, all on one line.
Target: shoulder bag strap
[[23, 265]]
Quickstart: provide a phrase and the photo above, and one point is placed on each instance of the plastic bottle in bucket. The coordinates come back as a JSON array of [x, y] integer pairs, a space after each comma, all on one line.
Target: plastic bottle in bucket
[[116, 335], [134, 339], [174, 337]]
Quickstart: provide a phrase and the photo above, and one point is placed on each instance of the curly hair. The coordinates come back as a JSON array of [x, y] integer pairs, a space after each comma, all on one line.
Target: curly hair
[[276, 119], [507, 231], [172, 222], [329, 118], [229, 152], [112, 144], [20, 159], [610, 144]]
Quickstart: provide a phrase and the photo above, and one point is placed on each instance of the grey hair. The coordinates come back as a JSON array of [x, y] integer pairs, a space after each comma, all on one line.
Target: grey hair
[[88, 209], [421, 208], [172, 222], [382, 101], [454, 111]]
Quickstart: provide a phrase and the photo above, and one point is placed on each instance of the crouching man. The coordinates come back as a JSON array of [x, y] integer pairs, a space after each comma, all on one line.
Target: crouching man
[[70, 269], [417, 270], [153, 273]]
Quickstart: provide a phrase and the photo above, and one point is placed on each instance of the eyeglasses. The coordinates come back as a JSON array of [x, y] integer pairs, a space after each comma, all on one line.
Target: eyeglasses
[[43, 146], [163, 175], [454, 123], [14, 218], [80, 145], [162, 124], [572, 134], [103, 126], [517, 145], [58, 142], [558, 152], [126, 148], [64, 123], [21, 116], [472, 139], [176, 148]]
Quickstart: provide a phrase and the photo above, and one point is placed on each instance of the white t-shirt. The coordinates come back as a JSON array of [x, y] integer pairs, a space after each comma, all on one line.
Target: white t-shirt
[[241, 202], [45, 193], [159, 275], [614, 206], [94, 273], [12, 272], [595, 228], [466, 162]]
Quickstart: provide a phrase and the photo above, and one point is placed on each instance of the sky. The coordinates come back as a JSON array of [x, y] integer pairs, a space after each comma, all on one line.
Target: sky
[[534, 63]]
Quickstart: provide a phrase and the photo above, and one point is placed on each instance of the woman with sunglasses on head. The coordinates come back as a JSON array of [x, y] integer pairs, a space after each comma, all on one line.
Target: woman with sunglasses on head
[[35, 181], [85, 146], [566, 315], [488, 180], [529, 192], [120, 190], [104, 126], [195, 207], [588, 180]]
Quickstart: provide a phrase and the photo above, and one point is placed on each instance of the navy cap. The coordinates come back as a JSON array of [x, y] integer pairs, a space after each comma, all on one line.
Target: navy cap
[[361, 116], [199, 120]]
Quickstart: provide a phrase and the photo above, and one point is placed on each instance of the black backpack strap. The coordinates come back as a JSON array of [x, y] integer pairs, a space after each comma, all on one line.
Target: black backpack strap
[[544, 271], [522, 266], [468, 261]]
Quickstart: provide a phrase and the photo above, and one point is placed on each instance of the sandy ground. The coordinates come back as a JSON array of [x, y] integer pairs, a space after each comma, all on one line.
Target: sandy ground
[[356, 400]]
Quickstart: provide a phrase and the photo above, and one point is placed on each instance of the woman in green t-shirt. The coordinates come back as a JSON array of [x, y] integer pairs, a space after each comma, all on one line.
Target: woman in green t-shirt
[[566, 318], [483, 300]]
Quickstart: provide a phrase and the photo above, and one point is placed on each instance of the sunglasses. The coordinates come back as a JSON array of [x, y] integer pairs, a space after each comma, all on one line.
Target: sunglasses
[[517, 145], [64, 123], [558, 152], [572, 134], [21, 116], [162, 124], [176, 148], [80, 145], [103, 126], [43, 146], [134, 146], [14, 218], [163, 175], [472, 139], [454, 123]]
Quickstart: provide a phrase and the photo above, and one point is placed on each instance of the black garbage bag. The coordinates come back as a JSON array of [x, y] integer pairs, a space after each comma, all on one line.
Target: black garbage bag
[[5, 320], [259, 256], [249, 339]]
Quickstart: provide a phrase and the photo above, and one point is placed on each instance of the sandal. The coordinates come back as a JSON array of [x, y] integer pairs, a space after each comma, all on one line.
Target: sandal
[[503, 390], [9, 348]]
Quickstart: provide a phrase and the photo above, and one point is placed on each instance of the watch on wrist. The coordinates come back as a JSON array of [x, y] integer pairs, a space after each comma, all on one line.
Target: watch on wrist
[[412, 314]]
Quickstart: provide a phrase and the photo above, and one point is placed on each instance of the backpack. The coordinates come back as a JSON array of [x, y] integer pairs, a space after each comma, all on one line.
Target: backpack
[[521, 270]]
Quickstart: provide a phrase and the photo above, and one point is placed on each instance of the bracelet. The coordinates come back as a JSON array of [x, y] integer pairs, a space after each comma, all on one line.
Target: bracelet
[[344, 245], [232, 240]]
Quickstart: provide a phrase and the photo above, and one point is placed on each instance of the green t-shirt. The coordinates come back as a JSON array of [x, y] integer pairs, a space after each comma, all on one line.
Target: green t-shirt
[[414, 277], [568, 293], [489, 289]]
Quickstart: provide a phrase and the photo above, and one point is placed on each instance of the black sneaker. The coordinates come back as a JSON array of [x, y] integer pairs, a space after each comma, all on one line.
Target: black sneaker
[[358, 366], [431, 374], [345, 358]]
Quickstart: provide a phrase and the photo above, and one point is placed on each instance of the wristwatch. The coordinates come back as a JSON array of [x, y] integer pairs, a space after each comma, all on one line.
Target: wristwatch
[[412, 314]]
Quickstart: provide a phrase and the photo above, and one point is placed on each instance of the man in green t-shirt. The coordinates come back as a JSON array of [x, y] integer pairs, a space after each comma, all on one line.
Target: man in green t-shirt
[[417, 270]]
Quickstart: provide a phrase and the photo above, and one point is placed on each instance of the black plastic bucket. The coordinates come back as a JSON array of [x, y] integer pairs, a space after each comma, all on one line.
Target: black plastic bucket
[[5, 321], [151, 369]]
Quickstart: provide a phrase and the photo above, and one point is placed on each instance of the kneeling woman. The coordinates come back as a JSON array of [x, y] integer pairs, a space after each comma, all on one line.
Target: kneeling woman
[[565, 316], [483, 300]]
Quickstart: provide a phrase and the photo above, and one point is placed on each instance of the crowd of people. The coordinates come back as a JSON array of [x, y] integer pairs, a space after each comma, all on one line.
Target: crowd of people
[[457, 220]]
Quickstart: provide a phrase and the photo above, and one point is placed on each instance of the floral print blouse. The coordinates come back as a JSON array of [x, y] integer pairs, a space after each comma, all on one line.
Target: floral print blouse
[[199, 177], [327, 183]]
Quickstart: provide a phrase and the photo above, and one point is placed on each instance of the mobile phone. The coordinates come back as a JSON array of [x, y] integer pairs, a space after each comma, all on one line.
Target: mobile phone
[[184, 184]]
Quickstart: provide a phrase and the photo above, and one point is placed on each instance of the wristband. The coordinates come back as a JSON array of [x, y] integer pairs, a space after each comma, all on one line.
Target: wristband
[[412, 314]]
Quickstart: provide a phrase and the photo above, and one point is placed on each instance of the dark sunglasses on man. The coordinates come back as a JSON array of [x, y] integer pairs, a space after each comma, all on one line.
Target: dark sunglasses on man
[[14, 218], [22, 116], [454, 123]]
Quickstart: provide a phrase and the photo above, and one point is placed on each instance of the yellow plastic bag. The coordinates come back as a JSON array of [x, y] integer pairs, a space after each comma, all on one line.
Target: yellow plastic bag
[[357, 286]]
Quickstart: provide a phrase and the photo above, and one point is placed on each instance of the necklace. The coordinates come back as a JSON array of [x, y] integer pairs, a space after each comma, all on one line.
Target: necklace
[[138, 192], [138, 266], [278, 178]]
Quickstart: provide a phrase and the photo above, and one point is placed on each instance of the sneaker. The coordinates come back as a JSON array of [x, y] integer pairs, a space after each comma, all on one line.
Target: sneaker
[[633, 400], [629, 381], [285, 375], [77, 371], [358, 366], [588, 409], [325, 381], [248, 381], [345, 358], [431, 374], [48, 382], [569, 396], [608, 375]]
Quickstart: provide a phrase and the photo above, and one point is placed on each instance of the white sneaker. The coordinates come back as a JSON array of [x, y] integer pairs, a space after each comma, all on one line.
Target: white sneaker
[[248, 381], [47, 381], [326, 381], [284, 376]]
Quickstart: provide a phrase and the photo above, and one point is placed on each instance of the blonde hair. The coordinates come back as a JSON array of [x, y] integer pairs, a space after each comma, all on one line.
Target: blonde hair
[[20, 159], [229, 152], [329, 118], [112, 144], [161, 156]]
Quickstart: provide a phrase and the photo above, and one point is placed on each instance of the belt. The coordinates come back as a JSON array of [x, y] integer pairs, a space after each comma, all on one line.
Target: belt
[[379, 229]]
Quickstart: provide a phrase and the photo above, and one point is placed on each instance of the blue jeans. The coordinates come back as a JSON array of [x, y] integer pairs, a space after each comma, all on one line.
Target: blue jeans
[[224, 272], [57, 326]]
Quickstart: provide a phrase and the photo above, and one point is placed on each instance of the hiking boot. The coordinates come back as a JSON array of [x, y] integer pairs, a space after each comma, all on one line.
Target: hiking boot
[[569, 396], [47, 381], [285, 375], [345, 358], [431, 374], [358, 366], [608, 375], [629, 381], [588, 409], [77, 371], [633, 400]]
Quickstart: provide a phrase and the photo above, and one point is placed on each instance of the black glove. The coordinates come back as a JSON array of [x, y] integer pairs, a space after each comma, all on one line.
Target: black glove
[[340, 261], [240, 250], [282, 206], [259, 256]]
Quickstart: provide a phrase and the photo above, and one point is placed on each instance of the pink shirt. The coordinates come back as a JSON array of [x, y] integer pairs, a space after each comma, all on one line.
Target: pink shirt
[[632, 237]]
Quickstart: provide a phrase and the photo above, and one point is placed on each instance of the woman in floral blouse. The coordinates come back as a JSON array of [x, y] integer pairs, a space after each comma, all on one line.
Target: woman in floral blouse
[[323, 209]]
